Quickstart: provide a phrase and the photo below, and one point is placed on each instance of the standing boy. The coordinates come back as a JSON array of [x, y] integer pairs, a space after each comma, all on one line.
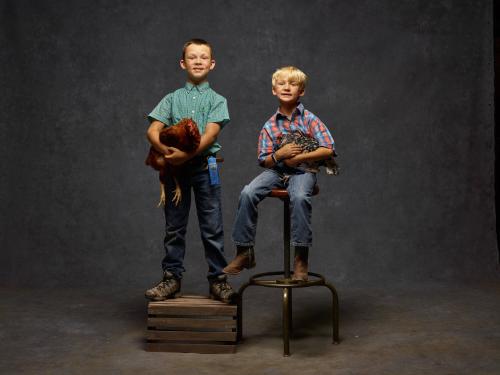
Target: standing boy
[[284, 169], [208, 109]]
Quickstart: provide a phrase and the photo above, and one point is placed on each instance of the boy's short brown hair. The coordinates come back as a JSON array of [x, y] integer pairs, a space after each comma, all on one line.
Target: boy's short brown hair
[[199, 42], [292, 74]]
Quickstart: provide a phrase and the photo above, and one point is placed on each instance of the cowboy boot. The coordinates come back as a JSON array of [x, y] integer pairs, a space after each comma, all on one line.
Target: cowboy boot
[[300, 266], [245, 258]]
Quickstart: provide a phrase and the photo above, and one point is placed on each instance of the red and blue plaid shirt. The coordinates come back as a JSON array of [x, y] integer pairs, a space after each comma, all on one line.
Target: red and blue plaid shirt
[[301, 120]]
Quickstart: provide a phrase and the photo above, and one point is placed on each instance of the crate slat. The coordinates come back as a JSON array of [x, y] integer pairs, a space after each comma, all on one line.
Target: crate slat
[[191, 323], [226, 310], [188, 301], [190, 348], [190, 335]]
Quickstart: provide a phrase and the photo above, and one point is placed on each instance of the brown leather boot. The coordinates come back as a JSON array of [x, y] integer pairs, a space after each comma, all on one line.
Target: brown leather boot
[[300, 266], [245, 258]]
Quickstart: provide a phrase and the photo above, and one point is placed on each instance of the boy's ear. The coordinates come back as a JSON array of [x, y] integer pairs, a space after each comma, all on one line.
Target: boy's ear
[[212, 64], [302, 92], [182, 64], [274, 92]]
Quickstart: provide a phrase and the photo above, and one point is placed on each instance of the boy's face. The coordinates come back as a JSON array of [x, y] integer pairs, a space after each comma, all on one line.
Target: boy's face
[[287, 92], [197, 62]]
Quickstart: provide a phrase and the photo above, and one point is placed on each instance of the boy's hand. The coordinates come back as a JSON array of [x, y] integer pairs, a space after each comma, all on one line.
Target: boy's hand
[[176, 156], [288, 151], [293, 162]]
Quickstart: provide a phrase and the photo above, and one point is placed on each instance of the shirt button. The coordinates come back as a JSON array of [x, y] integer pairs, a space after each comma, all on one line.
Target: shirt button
[[194, 97], [192, 111]]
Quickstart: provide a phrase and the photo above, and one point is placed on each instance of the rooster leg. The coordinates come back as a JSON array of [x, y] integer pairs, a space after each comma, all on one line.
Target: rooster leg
[[177, 192], [162, 195]]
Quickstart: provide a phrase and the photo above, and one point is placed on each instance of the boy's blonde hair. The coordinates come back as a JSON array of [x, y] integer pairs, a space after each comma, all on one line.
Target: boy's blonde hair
[[292, 74]]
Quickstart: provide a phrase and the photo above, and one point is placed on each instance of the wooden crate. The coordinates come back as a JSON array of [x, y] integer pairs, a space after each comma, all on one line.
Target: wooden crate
[[191, 324]]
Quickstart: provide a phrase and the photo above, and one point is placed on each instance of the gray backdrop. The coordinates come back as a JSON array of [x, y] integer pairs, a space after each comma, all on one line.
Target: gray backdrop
[[405, 87]]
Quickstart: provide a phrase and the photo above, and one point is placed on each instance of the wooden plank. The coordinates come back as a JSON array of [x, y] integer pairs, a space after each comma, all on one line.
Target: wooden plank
[[192, 323], [190, 335], [194, 296], [226, 310], [190, 348], [191, 302]]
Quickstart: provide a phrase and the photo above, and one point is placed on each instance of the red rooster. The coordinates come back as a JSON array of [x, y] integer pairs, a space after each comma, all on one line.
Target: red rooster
[[186, 137]]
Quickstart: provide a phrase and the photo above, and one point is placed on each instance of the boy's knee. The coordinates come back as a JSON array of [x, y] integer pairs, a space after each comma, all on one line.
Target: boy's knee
[[300, 197], [247, 193]]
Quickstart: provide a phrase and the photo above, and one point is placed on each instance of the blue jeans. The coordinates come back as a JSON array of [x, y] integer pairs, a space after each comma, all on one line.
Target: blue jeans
[[299, 185], [208, 206]]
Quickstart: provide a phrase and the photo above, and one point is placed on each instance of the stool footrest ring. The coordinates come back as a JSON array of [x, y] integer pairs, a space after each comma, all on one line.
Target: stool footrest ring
[[284, 282]]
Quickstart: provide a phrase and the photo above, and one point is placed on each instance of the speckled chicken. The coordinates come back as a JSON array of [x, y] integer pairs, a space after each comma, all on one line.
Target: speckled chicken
[[186, 137], [310, 144]]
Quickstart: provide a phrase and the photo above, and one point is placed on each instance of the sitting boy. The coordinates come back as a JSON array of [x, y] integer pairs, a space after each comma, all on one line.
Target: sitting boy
[[208, 109], [286, 168]]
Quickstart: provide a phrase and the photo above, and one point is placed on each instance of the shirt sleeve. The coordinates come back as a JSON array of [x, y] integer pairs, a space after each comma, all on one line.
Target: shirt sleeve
[[321, 133], [265, 145], [163, 111], [219, 112]]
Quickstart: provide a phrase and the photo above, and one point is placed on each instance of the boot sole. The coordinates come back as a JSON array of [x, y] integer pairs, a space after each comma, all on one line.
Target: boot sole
[[231, 301], [158, 299]]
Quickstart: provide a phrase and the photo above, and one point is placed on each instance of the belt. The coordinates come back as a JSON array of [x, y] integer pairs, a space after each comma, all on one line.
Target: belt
[[199, 161]]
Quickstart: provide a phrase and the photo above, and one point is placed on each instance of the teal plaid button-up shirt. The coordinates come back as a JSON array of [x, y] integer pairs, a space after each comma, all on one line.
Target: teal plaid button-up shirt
[[198, 102]]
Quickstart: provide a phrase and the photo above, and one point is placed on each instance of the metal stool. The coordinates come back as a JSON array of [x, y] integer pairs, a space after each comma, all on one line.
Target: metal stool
[[286, 283]]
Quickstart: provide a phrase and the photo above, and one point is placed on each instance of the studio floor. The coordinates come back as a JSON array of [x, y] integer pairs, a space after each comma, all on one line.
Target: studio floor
[[418, 329]]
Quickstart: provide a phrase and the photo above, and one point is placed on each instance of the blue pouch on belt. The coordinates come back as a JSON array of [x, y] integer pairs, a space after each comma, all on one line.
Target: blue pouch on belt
[[213, 171]]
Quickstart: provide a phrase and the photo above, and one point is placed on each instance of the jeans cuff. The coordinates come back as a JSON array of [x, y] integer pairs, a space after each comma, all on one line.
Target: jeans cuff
[[219, 276], [304, 244], [175, 274], [247, 244]]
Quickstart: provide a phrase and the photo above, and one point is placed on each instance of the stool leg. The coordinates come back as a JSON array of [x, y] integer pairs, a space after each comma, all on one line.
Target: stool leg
[[290, 315], [286, 322], [239, 323], [286, 238], [335, 313]]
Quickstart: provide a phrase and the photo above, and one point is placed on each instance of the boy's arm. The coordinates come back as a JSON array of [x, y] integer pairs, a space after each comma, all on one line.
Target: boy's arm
[[176, 157], [266, 156], [324, 138], [153, 135], [159, 117], [285, 153], [320, 153]]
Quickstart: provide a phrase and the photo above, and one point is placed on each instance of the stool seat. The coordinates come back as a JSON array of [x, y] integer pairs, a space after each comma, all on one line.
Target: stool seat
[[283, 193]]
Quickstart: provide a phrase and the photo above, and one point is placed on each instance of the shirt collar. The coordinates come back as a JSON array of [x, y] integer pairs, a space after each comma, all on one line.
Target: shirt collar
[[201, 87], [299, 110]]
